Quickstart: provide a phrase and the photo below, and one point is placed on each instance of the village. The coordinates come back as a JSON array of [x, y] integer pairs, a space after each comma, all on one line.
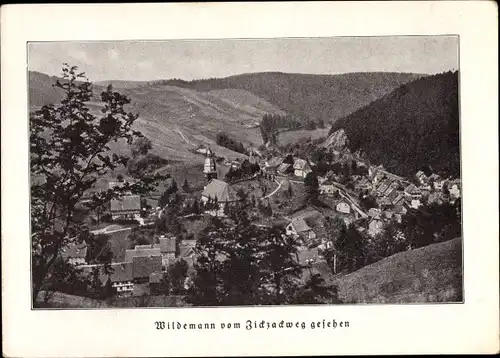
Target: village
[[368, 198]]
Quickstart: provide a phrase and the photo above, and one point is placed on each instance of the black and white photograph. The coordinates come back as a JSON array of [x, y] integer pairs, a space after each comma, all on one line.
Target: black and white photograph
[[245, 172]]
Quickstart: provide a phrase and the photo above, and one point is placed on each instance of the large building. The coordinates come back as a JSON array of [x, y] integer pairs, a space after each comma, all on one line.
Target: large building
[[126, 207], [220, 192]]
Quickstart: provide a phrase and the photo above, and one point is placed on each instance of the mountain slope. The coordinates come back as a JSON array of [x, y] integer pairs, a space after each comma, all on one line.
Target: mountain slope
[[312, 97], [415, 125], [429, 274], [178, 120]]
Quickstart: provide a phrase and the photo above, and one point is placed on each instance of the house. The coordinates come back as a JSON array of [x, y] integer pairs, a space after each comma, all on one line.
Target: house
[[75, 254], [126, 207], [155, 281], [374, 212], [435, 197], [343, 207], [363, 184], [388, 214], [382, 186], [141, 251], [454, 188], [421, 177], [122, 278], [375, 226], [202, 150], [395, 197], [439, 184], [235, 164], [167, 246], [301, 167], [222, 192], [116, 184], [308, 257], [415, 203], [412, 192], [299, 228], [272, 164], [143, 266], [384, 202], [328, 187], [284, 168]]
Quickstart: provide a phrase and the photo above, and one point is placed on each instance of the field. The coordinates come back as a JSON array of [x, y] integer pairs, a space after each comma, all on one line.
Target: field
[[300, 135], [429, 274]]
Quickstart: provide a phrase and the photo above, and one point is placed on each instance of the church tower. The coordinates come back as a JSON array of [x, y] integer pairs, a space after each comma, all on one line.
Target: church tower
[[209, 168]]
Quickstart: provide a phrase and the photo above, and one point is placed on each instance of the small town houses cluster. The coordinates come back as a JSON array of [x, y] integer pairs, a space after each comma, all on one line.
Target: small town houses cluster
[[395, 195]]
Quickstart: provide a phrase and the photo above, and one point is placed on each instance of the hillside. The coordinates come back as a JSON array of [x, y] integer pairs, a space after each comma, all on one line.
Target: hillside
[[430, 274], [415, 125], [305, 96], [178, 120]]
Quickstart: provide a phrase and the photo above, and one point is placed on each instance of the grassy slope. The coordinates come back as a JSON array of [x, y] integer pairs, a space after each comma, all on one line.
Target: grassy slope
[[327, 97], [417, 124], [296, 136], [177, 120], [429, 274]]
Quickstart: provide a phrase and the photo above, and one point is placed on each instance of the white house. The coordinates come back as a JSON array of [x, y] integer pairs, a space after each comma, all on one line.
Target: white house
[[327, 187], [127, 207], [167, 246], [415, 203], [122, 278], [375, 226], [343, 207], [300, 228], [75, 254], [301, 167]]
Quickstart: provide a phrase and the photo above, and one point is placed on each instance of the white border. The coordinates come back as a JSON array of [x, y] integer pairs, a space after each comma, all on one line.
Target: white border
[[468, 328]]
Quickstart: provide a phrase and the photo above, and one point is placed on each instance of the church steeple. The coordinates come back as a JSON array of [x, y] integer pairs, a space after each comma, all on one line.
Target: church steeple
[[209, 168]]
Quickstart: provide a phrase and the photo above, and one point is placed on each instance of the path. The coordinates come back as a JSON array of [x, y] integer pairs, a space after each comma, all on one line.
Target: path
[[275, 190], [183, 136]]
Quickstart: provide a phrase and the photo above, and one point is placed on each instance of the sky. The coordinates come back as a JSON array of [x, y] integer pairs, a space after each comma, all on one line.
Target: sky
[[195, 59]]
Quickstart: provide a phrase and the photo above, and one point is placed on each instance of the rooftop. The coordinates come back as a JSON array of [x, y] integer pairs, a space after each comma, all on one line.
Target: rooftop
[[221, 190], [129, 202]]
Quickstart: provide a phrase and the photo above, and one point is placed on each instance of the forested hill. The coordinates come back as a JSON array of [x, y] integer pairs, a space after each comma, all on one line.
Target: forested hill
[[415, 125], [306, 96]]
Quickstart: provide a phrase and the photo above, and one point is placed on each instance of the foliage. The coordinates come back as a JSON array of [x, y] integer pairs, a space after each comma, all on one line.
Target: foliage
[[415, 126], [224, 140], [312, 187], [241, 264], [140, 165], [309, 97], [272, 123], [176, 274], [69, 151], [139, 236]]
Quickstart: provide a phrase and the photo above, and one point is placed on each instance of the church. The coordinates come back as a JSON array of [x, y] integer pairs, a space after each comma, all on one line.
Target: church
[[216, 189]]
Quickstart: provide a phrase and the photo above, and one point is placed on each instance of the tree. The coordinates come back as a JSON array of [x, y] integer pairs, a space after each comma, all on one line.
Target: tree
[[136, 237], [315, 291], [240, 264], [177, 273], [141, 146], [69, 151], [185, 186], [312, 187], [290, 190]]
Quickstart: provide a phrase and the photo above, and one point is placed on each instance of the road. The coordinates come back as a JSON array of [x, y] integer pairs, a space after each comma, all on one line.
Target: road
[[344, 194]]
